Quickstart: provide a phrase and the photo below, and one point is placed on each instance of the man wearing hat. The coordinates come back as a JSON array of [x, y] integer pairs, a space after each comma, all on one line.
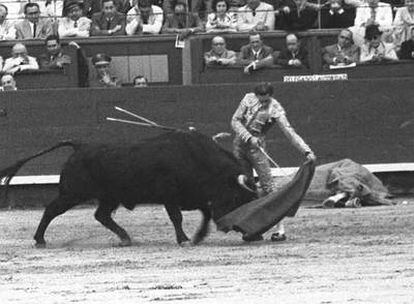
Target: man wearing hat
[[74, 24], [257, 113], [374, 50], [103, 77]]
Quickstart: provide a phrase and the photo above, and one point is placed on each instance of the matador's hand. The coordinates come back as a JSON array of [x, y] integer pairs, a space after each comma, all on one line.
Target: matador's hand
[[255, 141], [310, 156]]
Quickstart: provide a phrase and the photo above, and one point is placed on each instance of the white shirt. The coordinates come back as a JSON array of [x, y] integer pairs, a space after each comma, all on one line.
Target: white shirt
[[383, 15], [386, 49], [7, 31], [155, 20], [67, 27], [264, 13], [14, 64], [228, 24]]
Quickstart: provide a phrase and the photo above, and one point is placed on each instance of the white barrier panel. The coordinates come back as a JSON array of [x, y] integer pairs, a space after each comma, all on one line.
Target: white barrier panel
[[315, 77]]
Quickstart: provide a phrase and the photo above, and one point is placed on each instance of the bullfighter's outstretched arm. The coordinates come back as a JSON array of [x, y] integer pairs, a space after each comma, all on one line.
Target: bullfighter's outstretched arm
[[291, 134]]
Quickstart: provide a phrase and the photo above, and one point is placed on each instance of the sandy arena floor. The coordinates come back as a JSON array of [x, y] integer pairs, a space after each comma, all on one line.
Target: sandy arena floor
[[332, 256]]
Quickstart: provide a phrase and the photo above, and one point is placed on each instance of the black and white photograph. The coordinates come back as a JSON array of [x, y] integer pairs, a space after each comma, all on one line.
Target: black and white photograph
[[207, 151]]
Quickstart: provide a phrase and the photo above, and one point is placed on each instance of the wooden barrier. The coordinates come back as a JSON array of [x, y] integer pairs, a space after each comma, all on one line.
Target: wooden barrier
[[366, 120], [369, 121]]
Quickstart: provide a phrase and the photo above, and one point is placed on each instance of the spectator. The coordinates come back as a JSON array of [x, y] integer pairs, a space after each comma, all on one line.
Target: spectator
[[53, 58], [140, 82], [255, 54], [94, 6], [337, 15], [20, 60], [50, 8], [108, 22], [256, 16], [219, 55], [374, 50], [33, 27], [199, 7], [144, 18], [103, 77], [407, 47], [221, 20], [180, 23], [74, 24], [8, 83], [371, 12], [7, 30], [297, 15], [344, 52], [234, 6], [294, 55], [403, 22]]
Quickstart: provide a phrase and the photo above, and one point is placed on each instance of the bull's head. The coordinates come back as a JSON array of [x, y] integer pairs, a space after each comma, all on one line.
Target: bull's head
[[236, 192]]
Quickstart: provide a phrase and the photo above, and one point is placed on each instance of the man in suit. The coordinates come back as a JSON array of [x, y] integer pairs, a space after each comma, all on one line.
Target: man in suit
[[407, 47], [20, 60], [343, 52], [219, 55], [294, 55], [7, 29], [108, 22], [33, 27], [254, 54], [256, 16], [337, 15], [54, 58]]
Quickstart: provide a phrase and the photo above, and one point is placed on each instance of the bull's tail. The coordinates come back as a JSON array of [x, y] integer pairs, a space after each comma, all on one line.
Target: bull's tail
[[8, 173]]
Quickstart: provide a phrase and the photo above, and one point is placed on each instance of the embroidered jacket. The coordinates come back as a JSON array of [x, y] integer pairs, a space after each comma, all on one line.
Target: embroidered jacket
[[253, 118]]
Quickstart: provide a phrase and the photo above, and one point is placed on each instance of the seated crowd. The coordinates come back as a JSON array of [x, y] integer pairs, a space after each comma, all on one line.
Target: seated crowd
[[83, 18], [373, 31], [56, 58]]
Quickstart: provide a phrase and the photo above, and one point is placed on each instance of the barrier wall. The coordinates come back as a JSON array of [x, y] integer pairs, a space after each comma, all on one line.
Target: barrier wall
[[367, 121]]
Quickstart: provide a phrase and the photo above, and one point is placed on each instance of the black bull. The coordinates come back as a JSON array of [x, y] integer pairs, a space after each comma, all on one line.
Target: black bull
[[181, 170]]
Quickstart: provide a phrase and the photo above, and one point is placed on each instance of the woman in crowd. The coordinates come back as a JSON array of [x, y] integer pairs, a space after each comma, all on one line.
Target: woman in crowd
[[403, 22], [221, 20]]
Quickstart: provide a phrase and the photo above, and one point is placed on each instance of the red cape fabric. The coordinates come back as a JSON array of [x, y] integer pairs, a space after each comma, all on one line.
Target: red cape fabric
[[260, 215]]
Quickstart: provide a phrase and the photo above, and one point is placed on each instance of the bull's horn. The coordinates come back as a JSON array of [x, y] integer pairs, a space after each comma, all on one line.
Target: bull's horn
[[242, 179]]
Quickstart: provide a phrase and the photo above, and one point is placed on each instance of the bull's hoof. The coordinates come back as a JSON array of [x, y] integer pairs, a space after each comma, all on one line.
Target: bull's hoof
[[125, 243], [185, 244], [197, 239], [40, 245], [252, 238]]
